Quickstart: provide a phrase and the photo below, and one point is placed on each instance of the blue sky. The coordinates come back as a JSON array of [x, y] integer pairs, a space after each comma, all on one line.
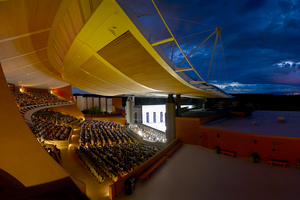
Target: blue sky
[[260, 40]]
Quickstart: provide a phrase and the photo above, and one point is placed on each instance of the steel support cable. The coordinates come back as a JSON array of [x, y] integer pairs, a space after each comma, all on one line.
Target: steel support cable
[[176, 41], [224, 79], [219, 63], [212, 78], [140, 14], [188, 36], [206, 59], [197, 47], [212, 57]]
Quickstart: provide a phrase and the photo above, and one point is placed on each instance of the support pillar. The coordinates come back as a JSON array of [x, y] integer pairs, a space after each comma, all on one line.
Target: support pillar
[[170, 119], [112, 192], [130, 110], [178, 105], [204, 105]]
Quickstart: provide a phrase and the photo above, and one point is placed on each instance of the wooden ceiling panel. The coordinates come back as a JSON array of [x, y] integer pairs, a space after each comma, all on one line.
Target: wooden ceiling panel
[[75, 15], [20, 61], [28, 69], [24, 45], [82, 84], [89, 78], [25, 16], [135, 62], [24, 32], [94, 66], [30, 76]]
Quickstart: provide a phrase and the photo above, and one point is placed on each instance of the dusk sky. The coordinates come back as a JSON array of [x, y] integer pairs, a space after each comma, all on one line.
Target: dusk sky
[[260, 40]]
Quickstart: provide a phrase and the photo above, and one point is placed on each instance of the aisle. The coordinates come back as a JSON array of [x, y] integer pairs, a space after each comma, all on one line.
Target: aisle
[[73, 166]]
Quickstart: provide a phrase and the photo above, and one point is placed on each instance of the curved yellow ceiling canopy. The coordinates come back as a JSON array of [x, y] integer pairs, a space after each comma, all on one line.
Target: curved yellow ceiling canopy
[[25, 26], [98, 46], [111, 56]]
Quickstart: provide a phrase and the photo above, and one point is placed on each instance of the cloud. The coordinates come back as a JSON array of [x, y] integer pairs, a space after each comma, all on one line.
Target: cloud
[[257, 35]]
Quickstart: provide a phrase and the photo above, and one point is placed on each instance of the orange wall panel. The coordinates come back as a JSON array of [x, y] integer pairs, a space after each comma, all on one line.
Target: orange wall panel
[[283, 148], [244, 144], [188, 130], [117, 102]]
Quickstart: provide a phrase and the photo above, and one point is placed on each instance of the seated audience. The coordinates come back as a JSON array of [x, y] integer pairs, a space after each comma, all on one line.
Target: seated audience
[[111, 149], [51, 125], [35, 98]]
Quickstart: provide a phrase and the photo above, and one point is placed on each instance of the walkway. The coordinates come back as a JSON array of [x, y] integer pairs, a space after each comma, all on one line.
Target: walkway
[[73, 166], [194, 172]]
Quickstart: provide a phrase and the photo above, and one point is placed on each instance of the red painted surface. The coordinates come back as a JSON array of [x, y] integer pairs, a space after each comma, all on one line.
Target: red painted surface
[[112, 192], [36, 90], [204, 140], [244, 144], [65, 92], [278, 162], [228, 152]]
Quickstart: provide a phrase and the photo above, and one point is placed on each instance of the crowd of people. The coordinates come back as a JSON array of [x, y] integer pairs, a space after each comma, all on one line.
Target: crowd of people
[[150, 134], [111, 149], [35, 98], [51, 125]]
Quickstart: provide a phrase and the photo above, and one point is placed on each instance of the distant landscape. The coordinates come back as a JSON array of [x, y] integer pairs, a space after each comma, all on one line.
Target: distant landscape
[[259, 102]]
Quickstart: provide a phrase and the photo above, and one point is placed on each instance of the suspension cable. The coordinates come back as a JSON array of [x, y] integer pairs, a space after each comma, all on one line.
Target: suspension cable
[[140, 14]]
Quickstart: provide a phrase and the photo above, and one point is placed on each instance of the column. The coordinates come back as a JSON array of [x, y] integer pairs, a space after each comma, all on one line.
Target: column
[[96, 102], [129, 109], [170, 118], [103, 104], [178, 105], [89, 102], [203, 105], [80, 103], [109, 105]]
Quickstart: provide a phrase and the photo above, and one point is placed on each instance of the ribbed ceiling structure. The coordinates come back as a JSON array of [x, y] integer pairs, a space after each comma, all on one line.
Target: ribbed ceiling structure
[[95, 45]]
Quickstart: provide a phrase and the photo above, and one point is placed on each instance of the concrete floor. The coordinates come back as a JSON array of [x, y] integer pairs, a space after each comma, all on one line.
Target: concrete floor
[[194, 172]]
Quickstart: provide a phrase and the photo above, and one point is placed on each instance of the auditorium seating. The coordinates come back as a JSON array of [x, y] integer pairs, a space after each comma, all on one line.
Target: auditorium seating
[[23, 99], [111, 149], [51, 125]]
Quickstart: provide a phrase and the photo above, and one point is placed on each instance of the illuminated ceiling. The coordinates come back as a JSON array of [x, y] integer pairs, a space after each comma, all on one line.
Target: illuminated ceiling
[[95, 45]]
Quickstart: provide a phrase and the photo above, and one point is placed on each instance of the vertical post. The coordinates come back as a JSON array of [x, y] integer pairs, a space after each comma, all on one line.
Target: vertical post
[[112, 192], [170, 118], [106, 105], [178, 105], [130, 110], [203, 104]]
